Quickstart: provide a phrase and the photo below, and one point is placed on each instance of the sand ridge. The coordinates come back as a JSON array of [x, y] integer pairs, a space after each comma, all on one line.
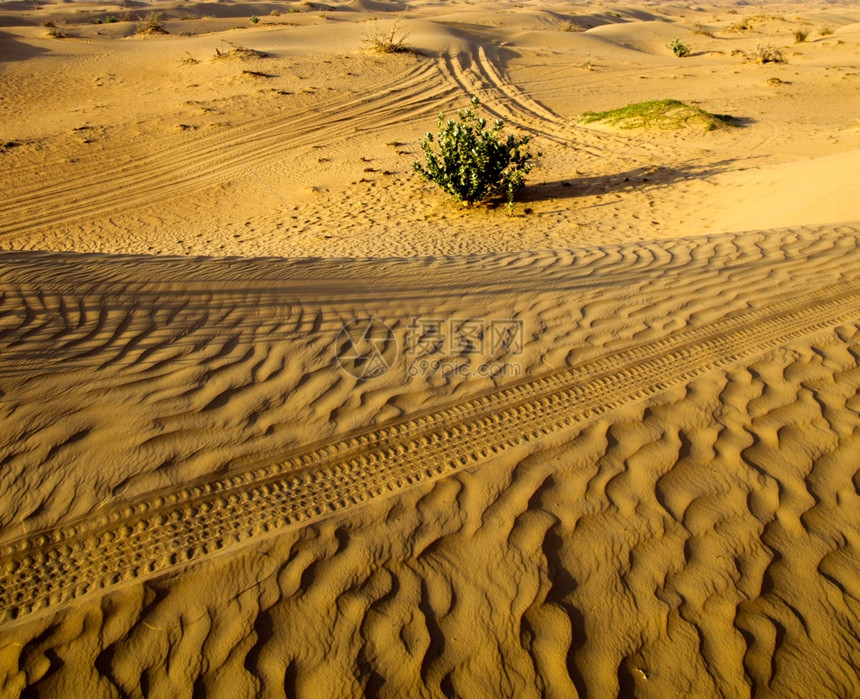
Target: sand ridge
[[267, 496]]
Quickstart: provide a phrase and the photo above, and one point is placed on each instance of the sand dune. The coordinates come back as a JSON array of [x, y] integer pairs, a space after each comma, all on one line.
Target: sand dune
[[702, 361], [604, 446]]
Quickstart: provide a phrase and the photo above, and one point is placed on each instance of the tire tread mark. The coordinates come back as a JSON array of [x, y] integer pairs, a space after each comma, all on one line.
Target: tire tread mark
[[170, 529]]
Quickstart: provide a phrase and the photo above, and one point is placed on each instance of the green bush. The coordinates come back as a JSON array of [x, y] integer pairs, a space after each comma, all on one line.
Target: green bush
[[679, 48], [473, 163]]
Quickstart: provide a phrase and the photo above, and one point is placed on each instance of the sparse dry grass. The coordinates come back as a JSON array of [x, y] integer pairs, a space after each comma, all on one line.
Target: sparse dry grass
[[151, 24], [750, 23], [392, 41], [766, 54], [566, 25], [53, 32], [238, 52]]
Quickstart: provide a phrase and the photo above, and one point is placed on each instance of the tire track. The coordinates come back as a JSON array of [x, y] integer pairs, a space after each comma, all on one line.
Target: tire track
[[478, 73], [171, 529], [146, 177]]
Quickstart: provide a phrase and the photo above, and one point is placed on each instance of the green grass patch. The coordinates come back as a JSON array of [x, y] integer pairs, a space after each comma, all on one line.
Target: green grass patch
[[658, 114]]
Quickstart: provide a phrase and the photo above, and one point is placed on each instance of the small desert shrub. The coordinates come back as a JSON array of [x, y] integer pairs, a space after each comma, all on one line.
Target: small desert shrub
[[825, 31], [393, 41], [237, 51], [800, 35], [679, 48], [566, 25], [750, 23], [474, 163], [254, 19], [766, 54], [188, 17], [743, 26], [55, 33], [151, 24]]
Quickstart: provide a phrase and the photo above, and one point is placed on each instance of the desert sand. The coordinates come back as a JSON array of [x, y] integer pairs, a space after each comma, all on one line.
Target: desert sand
[[608, 443]]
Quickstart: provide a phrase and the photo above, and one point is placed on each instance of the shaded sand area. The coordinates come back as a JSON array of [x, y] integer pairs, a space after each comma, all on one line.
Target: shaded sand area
[[612, 448]]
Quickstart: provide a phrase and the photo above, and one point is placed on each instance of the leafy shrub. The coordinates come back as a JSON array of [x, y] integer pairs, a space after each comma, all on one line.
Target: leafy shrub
[[254, 19], [679, 48], [800, 35], [473, 163]]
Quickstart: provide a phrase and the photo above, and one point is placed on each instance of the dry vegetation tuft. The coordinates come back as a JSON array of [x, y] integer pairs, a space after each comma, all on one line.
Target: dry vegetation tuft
[[566, 25], [151, 24], [53, 32], [238, 52], [750, 23], [766, 54], [392, 41]]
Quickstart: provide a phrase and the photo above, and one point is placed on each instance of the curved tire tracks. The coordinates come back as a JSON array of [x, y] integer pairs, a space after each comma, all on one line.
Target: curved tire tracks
[[168, 530]]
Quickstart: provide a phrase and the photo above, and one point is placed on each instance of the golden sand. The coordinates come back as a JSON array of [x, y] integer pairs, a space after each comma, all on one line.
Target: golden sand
[[629, 464]]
